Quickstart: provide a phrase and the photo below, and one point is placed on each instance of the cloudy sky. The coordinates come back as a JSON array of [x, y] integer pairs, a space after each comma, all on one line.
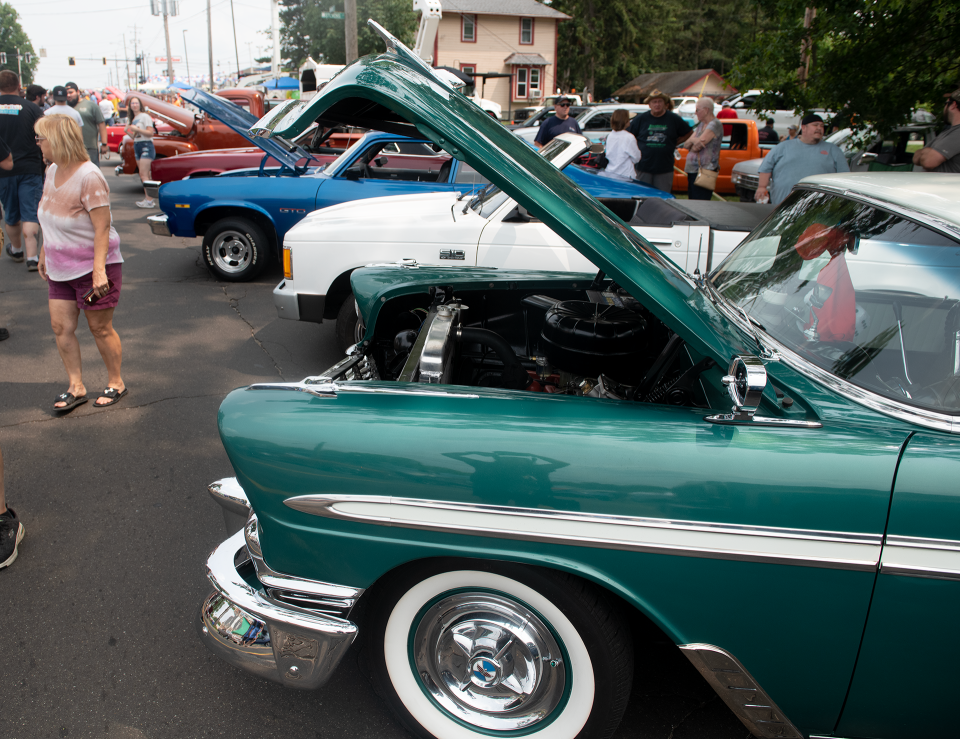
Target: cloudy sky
[[92, 29]]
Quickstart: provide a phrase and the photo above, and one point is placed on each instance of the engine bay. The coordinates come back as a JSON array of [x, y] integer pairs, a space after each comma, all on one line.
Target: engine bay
[[596, 342]]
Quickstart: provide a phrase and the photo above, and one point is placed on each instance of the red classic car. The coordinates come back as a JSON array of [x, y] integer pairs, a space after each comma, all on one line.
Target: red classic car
[[189, 131]]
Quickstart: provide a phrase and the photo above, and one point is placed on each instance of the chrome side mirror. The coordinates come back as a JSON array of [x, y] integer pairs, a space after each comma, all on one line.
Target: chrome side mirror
[[745, 381]]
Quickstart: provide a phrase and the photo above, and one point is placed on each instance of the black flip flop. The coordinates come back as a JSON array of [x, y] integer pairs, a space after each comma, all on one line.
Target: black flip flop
[[112, 394], [71, 400]]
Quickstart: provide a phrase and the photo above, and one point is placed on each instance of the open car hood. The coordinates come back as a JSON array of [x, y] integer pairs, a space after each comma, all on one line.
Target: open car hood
[[398, 93], [182, 120], [232, 115]]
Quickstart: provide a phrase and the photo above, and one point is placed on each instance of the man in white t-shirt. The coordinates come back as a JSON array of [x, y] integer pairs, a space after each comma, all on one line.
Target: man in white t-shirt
[[60, 106], [106, 107]]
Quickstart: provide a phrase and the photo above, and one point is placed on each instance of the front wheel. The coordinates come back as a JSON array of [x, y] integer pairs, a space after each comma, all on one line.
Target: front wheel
[[501, 650], [235, 249], [350, 328]]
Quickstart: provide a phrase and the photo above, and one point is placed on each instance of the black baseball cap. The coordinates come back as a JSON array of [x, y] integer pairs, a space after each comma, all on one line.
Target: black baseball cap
[[562, 99], [59, 93], [72, 86], [811, 118]]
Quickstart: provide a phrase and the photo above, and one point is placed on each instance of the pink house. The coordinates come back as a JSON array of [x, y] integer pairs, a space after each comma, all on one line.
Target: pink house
[[510, 37]]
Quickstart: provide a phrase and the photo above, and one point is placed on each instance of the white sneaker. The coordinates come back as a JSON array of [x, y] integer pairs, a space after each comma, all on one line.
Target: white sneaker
[[147, 203]]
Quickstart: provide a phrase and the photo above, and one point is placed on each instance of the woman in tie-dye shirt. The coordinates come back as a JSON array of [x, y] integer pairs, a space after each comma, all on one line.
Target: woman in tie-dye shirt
[[80, 259]]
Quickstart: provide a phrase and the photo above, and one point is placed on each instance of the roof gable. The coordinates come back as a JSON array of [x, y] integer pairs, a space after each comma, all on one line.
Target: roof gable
[[523, 8], [671, 83]]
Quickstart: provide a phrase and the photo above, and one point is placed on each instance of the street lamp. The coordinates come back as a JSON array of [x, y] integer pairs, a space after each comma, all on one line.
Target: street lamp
[[185, 55]]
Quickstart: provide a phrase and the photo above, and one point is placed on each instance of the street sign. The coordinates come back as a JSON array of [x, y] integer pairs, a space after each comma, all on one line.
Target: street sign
[[163, 59], [332, 16]]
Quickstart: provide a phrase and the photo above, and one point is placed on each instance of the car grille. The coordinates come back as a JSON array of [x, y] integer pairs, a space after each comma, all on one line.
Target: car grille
[[746, 181]]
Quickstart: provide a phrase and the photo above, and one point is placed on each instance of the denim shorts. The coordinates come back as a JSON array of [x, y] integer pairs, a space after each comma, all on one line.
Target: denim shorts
[[20, 196], [144, 150]]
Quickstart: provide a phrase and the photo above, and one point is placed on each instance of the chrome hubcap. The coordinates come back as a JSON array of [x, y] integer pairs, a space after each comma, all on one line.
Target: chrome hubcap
[[489, 661], [232, 251]]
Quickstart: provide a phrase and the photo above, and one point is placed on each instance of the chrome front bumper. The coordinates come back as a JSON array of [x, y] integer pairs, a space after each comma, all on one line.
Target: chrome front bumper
[[285, 300], [152, 188], [257, 628], [158, 224]]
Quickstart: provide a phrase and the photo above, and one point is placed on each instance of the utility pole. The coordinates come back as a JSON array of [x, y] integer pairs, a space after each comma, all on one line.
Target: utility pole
[[275, 32], [210, 43], [806, 46], [126, 59], [19, 70], [235, 50], [185, 55], [350, 28], [166, 34]]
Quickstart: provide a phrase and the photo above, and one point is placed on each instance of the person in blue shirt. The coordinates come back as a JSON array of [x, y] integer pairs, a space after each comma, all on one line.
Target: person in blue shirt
[[560, 122], [794, 159]]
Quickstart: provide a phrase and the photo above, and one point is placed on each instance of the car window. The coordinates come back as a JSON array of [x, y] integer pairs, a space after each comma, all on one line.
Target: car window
[[738, 135], [598, 122], [469, 176], [492, 197], [861, 292], [409, 161]]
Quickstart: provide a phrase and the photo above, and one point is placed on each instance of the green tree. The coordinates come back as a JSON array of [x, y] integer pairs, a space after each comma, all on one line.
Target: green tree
[[305, 33], [609, 42], [12, 38], [872, 62]]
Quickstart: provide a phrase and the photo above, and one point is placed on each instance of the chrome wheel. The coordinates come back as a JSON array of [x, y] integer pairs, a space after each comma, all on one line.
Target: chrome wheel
[[232, 251], [489, 661]]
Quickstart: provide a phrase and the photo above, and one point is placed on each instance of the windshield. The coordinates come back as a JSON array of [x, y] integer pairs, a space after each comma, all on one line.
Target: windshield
[[536, 120], [861, 292], [492, 197]]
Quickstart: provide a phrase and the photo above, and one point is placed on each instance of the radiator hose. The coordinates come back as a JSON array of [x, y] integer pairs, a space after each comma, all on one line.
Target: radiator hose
[[515, 377]]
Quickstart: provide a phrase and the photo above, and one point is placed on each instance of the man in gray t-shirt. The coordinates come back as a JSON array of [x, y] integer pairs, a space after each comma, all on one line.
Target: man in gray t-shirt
[[943, 153], [792, 160]]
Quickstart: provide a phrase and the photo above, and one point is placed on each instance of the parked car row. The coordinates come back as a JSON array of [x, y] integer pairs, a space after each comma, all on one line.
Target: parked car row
[[513, 471]]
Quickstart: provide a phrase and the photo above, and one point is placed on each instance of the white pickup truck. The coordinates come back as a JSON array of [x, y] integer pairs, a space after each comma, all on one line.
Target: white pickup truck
[[489, 230]]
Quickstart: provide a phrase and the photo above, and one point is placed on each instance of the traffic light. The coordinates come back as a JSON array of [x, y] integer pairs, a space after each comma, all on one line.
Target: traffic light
[[104, 61], [3, 57], [27, 58], [71, 61]]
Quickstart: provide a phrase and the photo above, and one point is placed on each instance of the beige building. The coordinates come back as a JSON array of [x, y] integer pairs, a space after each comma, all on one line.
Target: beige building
[[509, 37]]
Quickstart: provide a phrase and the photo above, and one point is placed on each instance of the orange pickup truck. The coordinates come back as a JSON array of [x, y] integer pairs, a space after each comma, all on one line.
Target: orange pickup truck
[[741, 145], [190, 131]]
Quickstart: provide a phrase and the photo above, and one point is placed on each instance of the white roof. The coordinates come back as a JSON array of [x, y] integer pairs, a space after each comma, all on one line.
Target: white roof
[[933, 193], [526, 8]]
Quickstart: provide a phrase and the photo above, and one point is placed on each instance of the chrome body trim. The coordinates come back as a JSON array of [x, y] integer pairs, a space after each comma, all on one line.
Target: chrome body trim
[[435, 359], [285, 301], [731, 419], [152, 188], [292, 647], [740, 691], [310, 595], [867, 398], [913, 556], [158, 224], [803, 547], [232, 500]]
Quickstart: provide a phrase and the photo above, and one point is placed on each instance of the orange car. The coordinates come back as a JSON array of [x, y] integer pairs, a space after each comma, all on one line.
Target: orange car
[[742, 144]]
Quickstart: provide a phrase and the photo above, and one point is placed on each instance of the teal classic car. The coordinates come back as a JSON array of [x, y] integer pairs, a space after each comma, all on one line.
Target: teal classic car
[[512, 470]]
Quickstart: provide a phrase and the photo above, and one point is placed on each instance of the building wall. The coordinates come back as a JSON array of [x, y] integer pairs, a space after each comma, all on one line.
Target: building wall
[[497, 37]]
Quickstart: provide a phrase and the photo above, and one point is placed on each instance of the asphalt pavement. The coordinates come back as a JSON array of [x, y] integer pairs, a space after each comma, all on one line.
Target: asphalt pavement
[[98, 613]]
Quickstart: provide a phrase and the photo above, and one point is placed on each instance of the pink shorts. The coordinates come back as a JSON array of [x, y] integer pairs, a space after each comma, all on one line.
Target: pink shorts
[[76, 288]]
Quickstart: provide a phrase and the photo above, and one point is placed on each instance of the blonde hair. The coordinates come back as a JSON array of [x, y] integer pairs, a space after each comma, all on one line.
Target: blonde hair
[[66, 141]]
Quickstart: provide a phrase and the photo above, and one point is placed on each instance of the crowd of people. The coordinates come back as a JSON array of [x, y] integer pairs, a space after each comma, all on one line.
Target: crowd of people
[[644, 148], [56, 208]]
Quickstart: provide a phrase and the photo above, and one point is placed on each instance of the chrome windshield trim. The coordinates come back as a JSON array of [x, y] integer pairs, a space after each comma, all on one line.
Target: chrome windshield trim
[[830, 549], [871, 400], [938, 224]]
